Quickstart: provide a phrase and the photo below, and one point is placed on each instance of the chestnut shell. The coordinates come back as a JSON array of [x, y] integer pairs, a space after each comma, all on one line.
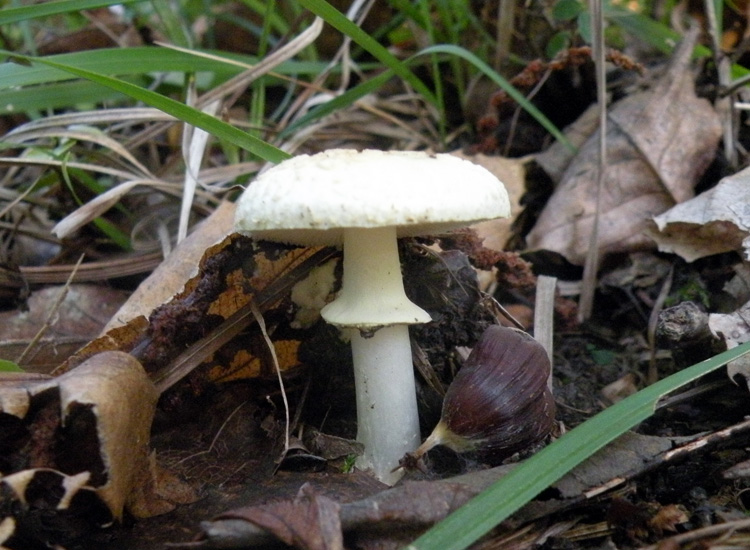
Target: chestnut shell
[[500, 402]]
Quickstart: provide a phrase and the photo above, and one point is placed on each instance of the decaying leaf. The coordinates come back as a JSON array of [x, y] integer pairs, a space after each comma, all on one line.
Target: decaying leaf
[[394, 517], [208, 312], [87, 432], [169, 278], [57, 322], [310, 521], [659, 142], [49, 509], [734, 329], [495, 233], [713, 222]]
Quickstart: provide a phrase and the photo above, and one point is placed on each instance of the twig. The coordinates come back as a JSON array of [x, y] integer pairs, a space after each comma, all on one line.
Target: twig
[[653, 321], [506, 19], [591, 266], [544, 315], [262, 325], [723, 70], [52, 312]]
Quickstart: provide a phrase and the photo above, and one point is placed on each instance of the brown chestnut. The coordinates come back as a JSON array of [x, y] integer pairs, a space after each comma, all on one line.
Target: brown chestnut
[[499, 403]]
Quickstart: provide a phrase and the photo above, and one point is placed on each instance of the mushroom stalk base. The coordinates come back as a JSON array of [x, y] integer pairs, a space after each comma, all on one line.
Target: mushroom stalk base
[[388, 428]]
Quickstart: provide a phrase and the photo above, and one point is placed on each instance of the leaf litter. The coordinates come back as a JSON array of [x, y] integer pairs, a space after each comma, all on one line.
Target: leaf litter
[[332, 507]]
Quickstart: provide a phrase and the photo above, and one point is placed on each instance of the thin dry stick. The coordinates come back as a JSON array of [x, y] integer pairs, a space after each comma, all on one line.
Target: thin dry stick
[[544, 315], [216, 436], [723, 69], [506, 19], [262, 325], [263, 67], [591, 266], [653, 320], [52, 312]]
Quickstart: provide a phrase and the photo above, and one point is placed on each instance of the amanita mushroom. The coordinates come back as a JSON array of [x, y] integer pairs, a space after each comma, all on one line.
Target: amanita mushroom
[[364, 201]]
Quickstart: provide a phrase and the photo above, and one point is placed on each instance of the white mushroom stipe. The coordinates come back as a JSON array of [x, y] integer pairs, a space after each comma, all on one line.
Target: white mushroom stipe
[[390, 426], [372, 297], [364, 201], [372, 292]]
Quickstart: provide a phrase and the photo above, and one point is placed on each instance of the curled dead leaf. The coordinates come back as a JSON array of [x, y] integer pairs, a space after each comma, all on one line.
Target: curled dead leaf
[[714, 222], [655, 155], [80, 440]]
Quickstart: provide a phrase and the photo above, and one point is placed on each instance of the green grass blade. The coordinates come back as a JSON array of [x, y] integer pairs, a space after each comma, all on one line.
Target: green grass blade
[[467, 524], [45, 9], [141, 60], [337, 103], [488, 71], [179, 110], [9, 366], [340, 22], [55, 96], [369, 86], [657, 34]]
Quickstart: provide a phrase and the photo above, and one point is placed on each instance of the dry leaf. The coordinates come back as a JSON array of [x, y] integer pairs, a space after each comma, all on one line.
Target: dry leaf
[[95, 418], [77, 319], [658, 144], [392, 518], [79, 444], [49, 509], [734, 329], [182, 264], [198, 324], [157, 491], [713, 222], [309, 522], [495, 233], [668, 518]]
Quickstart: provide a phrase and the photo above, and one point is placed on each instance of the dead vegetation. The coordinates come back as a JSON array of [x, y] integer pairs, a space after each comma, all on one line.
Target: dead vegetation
[[118, 247]]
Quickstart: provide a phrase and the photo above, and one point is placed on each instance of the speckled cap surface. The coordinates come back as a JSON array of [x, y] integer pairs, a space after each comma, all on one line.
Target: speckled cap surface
[[309, 200]]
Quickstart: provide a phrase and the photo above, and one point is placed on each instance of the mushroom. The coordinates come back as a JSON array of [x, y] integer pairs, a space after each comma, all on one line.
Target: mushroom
[[364, 200]]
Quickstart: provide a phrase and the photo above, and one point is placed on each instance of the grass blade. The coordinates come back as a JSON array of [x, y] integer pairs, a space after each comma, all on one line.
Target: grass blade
[[369, 86], [179, 110], [340, 22], [493, 75], [143, 60], [467, 524], [14, 15]]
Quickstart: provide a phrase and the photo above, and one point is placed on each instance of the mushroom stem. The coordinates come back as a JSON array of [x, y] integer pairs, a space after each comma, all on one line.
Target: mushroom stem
[[387, 419], [372, 301], [372, 293]]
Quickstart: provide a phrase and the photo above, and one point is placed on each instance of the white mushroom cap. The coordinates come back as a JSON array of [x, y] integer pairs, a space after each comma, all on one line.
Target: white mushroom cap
[[309, 199]]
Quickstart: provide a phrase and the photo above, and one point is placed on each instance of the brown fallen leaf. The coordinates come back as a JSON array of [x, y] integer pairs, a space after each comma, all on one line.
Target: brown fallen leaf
[[496, 233], [713, 222], [668, 518], [57, 321], [394, 517], [49, 509], [309, 522], [209, 311], [659, 142], [90, 427], [170, 277], [734, 329]]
